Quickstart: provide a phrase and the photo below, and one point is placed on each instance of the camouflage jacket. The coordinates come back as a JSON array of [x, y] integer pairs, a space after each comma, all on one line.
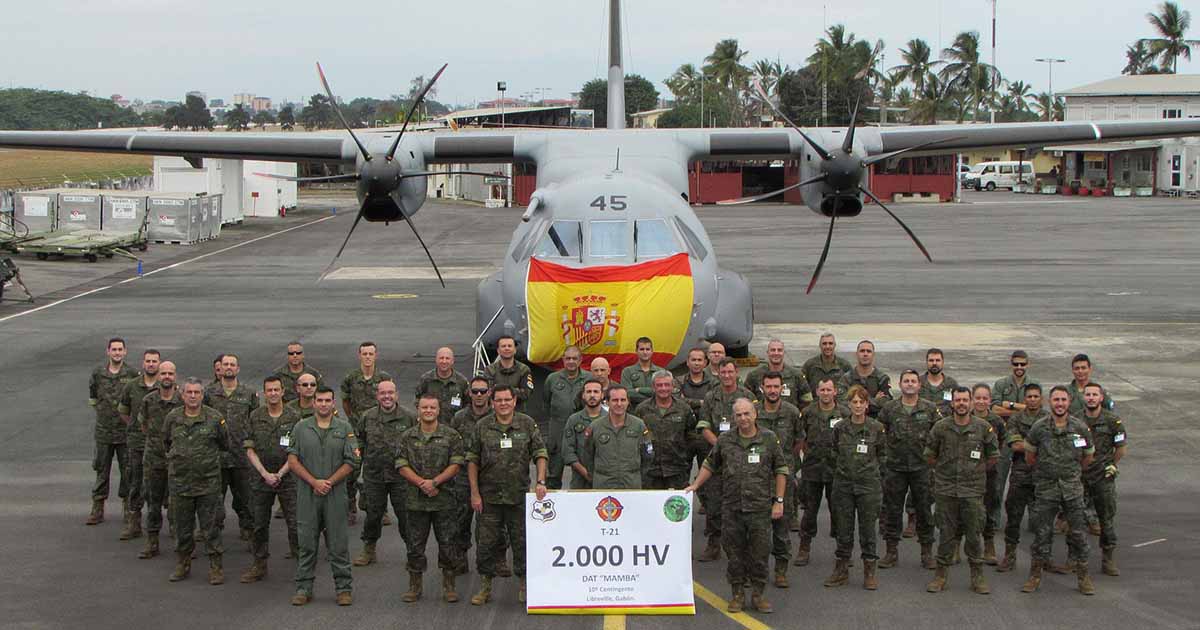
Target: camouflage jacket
[[1015, 430], [874, 383], [464, 422], [270, 437], [451, 393], [747, 467], [1007, 390], [151, 418], [428, 454], [859, 454], [907, 432], [694, 393], [235, 408], [669, 429], [194, 451], [359, 392], [294, 405], [379, 440], [104, 395], [816, 370], [1078, 407], [288, 379], [1060, 453], [619, 455], [961, 457], [131, 398], [784, 423], [1108, 434], [503, 453], [716, 414], [816, 431], [795, 386], [519, 377], [940, 395]]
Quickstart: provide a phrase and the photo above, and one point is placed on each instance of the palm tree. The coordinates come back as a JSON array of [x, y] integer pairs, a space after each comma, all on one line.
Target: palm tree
[[767, 72], [966, 70], [1139, 59], [929, 101], [724, 65], [917, 64], [685, 83], [1020, 93], [1047, 110], [1172, 24]]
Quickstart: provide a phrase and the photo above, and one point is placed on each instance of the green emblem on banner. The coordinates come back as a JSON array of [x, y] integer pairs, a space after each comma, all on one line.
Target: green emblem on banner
[[676, 509]]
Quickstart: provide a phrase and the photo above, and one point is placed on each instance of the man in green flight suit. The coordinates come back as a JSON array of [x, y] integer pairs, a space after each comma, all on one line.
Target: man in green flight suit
[[358, 395], [379, 438], [323, 452], [575, 434], [266, 445], [104, 395], [637, 377], [135, 440], [618, 445], [235, 401], [561, 398]]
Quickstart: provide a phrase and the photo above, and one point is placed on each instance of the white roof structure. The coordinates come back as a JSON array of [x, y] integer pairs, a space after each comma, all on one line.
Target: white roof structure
[[1141, 85]]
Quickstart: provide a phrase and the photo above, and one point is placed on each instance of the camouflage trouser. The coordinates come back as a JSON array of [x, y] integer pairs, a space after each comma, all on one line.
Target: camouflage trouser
[[134, 467], [1102, 495], [781, 531], [207, 509], [498, 524], [651, 481], [443, 523], [264, 500], [316, 515], [996, 512], [102, 464], [710, 498], [746, 539], [991, 504], [236, 482], [154, 486], [1020, 497], [847, 508], [698, 449], [1044, 511], [914, 484], [812, 491], [376, 495], [959, 518]]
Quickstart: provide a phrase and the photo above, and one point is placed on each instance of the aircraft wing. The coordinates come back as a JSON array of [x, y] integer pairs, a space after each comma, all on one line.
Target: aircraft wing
[[1015, 135], [246, 145]]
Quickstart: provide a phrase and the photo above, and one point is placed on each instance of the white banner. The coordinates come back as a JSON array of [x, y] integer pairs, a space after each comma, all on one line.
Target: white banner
[[609, 552]]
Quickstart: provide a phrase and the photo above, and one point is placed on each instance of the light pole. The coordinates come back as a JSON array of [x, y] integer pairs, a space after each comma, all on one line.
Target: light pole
[[994, 73], [501, 86], [1050, 61]]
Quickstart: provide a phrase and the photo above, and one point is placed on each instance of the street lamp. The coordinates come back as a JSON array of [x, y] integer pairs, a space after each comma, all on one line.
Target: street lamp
[[1050, 61], [501, 86]]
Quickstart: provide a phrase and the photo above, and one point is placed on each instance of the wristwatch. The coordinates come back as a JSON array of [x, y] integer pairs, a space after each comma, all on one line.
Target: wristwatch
[[540, 483], [779, 499], [1010, 404]]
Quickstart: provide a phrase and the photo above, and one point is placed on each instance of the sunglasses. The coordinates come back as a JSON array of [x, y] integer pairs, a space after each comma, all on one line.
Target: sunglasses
[[306, 384], [290, 353], [1015, 364], [479, 391]]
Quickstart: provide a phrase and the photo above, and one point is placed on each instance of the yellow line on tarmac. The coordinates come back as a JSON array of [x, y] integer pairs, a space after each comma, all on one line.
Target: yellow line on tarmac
[[746, 621], [614, 622]]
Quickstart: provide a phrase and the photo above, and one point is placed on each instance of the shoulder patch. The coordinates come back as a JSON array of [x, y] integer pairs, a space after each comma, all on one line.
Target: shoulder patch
[[222, 421], [349, 435]]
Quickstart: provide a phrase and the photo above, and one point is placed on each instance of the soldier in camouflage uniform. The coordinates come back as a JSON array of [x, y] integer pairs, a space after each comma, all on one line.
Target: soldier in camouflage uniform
[[783, 419], [295, 367], [1081, 371], [323, 453], [960, 450], [561, 398], [445, 382], [196, 437], [379, 439], [1100, 477], [499, 451], [507, 370], [267, 438], [669, 421], [464, 422], [429, 456], [859, 454], [715, 418], [825, 364], [151, 418], [936, 385], [135, 441], [816, 472], [575, 434], [908, 421], [795, 388], [865, 374], [692, 387], [235, 401], [104, 395], [358, 395], [638, 378], [1058, 449], [618, 445], [981, 397], [1008, 397], [306, 395], [1020, 476], [753, 470]]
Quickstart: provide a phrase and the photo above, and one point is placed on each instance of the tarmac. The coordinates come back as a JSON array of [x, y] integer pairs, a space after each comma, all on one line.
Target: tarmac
[[1114, 278]]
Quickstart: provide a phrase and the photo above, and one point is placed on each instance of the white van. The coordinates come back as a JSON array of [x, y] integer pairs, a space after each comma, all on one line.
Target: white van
[[993, 175]]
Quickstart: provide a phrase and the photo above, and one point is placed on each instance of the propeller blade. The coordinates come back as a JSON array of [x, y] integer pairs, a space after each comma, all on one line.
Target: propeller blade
[[887, 156], [824, 252], [848, 143], [411, 109], [337, 110], [744, 200], [417, 234], [762, 94], [358, 217], [914, 238], [431, 173], [345, 177]]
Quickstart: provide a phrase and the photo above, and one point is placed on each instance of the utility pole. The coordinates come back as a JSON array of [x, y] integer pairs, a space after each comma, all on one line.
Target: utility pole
[[992, 107], [1050, 61]]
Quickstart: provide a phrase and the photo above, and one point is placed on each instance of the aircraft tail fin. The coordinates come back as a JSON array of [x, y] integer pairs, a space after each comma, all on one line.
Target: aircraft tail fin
[[616, 71]]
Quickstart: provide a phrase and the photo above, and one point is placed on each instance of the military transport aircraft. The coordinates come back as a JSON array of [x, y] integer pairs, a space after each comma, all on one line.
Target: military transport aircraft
[[609, 249]]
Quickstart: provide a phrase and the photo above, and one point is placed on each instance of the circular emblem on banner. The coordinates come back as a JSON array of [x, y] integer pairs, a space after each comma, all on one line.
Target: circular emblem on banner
[[609, 509], [676, 509]]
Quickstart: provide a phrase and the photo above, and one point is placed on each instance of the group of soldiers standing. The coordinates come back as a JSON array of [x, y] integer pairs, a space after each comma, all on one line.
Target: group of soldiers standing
[[767, 449]]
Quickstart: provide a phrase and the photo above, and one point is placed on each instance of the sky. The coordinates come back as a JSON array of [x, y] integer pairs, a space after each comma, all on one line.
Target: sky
[[153, 49]]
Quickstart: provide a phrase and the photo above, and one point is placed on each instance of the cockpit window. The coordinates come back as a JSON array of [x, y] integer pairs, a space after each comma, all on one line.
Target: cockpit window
[[695, 246], [562, 240], [653, 239], [609, 239]]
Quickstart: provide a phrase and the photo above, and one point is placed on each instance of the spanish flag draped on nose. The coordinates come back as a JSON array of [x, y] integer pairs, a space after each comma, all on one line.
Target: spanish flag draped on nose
[[604, 310]]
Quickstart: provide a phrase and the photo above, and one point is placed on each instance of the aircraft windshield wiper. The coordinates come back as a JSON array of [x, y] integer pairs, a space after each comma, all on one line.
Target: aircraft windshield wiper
[[558, 244]]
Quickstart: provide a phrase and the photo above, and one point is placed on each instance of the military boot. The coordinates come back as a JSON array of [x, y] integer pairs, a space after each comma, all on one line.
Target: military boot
[[870, 580], [151, 548], [759, 601], [126, 527], [712, 551], [97, 515], [938, 583], [794, 523], [738, 600], [781, 580], [910, 529], [1108, 565], [1094, 528], [521, 592], [1035, 577], [978, 583], [1009, 561], [485, 592], [135, 524], [345, 598], [216, 574], [989, 551], [414, 587], [891, 556], [256, 572], [803, 552], [840, 575], [1061, 569], [927, 560], [1083, 579], [449, 594], [366, 556], [502, 568], [957, 558], [183, 566]]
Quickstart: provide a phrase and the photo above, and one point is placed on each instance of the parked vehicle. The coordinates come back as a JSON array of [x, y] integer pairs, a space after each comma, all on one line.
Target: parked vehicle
[[992, 175]]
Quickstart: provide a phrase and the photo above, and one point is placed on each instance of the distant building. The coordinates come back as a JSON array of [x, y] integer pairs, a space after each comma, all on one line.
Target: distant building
[[198, 94], [119, 100], [217, 102], [260, 104], [649, 118]]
